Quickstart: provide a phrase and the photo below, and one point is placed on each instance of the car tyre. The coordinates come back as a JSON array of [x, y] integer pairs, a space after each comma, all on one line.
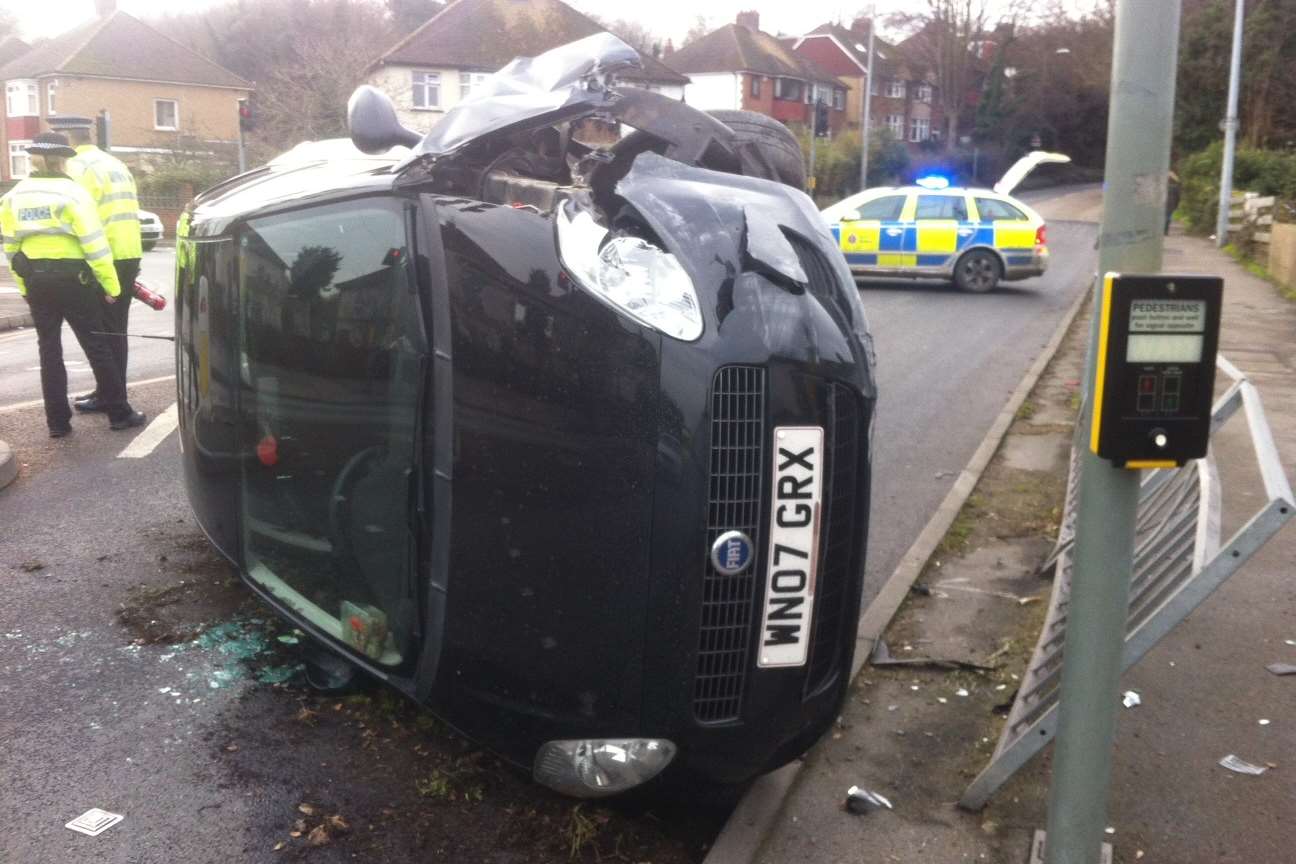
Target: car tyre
[[148, 245], [977, 272], [768, 148]]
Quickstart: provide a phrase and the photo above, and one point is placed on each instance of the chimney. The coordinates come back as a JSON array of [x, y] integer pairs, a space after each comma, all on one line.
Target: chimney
[[749, 19], [105, 7]]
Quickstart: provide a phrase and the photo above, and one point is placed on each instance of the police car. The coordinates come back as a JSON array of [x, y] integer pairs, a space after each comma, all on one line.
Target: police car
[[974, 237]]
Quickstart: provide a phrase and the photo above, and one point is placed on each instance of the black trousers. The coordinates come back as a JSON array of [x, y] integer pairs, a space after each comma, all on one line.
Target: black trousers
[[58, 297], [117, 315]]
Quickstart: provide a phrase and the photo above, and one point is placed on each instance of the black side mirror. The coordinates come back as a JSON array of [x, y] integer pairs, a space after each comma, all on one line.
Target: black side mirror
[[371, 119]]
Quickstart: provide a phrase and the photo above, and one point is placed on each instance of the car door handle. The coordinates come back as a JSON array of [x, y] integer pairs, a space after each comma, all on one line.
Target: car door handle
[[894, 232], [965, 232]]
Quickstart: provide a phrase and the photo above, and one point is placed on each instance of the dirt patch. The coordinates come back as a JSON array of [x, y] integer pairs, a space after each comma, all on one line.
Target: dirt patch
[[409, 788], [169, 610]]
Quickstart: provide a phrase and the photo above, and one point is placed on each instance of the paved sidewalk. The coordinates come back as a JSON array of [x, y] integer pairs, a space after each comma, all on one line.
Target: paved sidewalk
[[920, 736]]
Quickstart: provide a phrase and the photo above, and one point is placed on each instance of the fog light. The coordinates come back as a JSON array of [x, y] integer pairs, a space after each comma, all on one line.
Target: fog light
[[592, 768]]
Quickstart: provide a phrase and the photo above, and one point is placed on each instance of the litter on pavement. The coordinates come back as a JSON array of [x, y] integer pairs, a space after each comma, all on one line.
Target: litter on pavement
[[1282, 668], [863, 801], [1241, 766], [94, 822], [1131, 699]]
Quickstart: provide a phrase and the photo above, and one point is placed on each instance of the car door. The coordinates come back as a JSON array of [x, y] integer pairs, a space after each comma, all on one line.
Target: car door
[[873, 238], [941, 230], [1005, 227]]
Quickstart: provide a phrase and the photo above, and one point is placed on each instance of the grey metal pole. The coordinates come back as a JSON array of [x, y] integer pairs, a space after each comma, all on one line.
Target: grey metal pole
[[868, 93], [242, 153], [1230, 130], [1138, 160]]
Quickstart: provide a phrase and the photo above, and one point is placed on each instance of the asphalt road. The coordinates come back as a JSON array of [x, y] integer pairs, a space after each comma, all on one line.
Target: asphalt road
[[149, 358], [90, 719]]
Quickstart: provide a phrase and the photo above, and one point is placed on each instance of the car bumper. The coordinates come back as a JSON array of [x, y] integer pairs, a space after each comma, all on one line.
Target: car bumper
[[1025, 266]]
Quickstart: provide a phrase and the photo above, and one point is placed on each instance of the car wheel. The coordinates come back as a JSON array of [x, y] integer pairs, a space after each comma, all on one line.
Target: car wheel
[[768, 149], [977, 272], [148, 245]]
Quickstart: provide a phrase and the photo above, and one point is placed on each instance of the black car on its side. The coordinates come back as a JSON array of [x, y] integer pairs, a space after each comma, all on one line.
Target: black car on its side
[[568, 441]]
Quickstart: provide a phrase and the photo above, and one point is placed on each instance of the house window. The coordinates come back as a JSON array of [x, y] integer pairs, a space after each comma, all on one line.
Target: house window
[[919, 129], [787, 88], [427, 90], [895, 89], [49, 98], [22, 99], [755, 86], [839, 99], [166, 114], [19, 160], [924, 93], [895, 124], [469, 80]]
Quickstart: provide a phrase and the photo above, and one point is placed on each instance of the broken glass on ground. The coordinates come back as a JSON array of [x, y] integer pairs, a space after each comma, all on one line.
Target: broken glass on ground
[[1282, 668], [1131, 699]]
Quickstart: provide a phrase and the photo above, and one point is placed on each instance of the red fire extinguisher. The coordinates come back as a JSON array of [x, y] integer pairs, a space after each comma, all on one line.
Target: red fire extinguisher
[[151, 298]]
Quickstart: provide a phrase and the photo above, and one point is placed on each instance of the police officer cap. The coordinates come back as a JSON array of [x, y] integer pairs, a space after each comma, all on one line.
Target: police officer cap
[[65, 122], [51, 144]]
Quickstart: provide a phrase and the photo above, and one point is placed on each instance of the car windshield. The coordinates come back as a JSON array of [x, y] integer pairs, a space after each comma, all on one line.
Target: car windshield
[[568, 80]]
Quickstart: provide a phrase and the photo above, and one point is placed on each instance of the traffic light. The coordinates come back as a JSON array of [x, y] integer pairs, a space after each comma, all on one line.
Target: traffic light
[[821, 119], [246, 122]]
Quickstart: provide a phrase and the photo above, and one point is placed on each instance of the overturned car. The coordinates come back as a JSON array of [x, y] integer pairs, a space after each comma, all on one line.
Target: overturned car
[[568, 442]]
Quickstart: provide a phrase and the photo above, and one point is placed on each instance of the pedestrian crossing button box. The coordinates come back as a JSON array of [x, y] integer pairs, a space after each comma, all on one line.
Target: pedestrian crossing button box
[[1155, 378]]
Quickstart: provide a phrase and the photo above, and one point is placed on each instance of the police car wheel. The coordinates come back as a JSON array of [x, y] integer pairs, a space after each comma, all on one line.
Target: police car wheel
[[978, 272]]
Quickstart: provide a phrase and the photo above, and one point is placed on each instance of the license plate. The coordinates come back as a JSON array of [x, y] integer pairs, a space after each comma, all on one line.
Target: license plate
[[793, 545]]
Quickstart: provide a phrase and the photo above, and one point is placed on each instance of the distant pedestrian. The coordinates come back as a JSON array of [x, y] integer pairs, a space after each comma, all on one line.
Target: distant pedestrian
[[112, 188], [57, 249], [1172, 199]]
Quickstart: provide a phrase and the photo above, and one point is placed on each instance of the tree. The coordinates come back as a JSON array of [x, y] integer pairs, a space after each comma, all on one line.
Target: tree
[[697, 31], [633, 33], [409, 15], [949, 32]]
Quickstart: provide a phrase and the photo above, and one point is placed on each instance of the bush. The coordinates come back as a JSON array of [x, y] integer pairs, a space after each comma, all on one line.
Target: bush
[[170, 178], [837, 161], [1265, 172]]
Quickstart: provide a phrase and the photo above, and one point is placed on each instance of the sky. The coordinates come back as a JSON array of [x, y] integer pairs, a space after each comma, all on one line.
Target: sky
[[673, 18]]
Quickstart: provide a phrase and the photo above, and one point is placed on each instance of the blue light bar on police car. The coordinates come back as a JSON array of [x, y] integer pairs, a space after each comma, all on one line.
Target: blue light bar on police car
[[933, 181]]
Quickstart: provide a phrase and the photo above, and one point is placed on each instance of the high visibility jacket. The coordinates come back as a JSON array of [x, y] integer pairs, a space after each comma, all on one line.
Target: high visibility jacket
[[112, 187], [49, 216]]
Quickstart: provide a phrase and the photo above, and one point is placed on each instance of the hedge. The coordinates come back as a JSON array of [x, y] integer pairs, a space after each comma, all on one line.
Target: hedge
[[1265, 172]]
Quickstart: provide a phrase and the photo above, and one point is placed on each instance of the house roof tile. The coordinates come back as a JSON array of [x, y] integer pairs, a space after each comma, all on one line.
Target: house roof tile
[[735, 48], [120, 46], [486, 34]]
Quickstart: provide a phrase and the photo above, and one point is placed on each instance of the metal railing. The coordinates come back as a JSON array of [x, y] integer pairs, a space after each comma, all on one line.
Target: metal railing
[[1178, 563]]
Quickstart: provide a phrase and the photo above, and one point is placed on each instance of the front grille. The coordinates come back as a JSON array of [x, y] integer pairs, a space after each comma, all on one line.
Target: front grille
[[840, 540], [734, 504]]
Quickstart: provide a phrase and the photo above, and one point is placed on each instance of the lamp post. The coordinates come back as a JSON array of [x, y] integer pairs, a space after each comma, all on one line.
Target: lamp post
[[868, 91]]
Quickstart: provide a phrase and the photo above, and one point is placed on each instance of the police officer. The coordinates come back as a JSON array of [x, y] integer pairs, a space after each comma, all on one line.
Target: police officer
[[57, 249], [112, 188]]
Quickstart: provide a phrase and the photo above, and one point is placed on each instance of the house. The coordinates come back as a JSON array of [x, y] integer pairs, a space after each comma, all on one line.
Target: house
[[903, 99], [159, 95], [435, 66], [739, 66]]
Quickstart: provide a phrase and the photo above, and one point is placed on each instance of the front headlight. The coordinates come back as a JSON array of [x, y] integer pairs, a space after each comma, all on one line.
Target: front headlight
[[639, 279], [591, 768]]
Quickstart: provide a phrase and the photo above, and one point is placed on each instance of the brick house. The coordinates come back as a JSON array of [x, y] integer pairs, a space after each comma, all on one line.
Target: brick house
[[438, 64], [904, 98], [739, 66], [159, 95]]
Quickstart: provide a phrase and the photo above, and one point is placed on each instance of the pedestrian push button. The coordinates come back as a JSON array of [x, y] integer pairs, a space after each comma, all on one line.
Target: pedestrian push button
[[1155, 374]]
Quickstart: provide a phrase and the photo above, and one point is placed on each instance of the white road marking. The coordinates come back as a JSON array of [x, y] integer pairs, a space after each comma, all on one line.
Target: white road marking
[[33, 403], [153, 435]]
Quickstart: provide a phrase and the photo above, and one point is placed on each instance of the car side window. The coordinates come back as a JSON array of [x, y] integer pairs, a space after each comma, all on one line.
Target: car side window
[[942, 207], [992, 209], [884, 209]]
